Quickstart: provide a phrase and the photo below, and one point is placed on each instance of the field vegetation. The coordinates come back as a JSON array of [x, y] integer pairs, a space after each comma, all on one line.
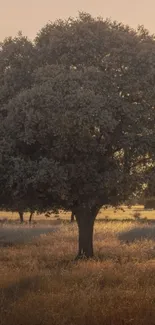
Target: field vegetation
[[41, 284]]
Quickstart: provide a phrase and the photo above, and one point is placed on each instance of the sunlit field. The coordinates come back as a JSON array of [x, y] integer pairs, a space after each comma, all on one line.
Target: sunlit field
[[40, 283], [123, 213]]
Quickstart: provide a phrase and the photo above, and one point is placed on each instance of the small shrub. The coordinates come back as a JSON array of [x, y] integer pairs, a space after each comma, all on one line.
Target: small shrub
[[137, 215]]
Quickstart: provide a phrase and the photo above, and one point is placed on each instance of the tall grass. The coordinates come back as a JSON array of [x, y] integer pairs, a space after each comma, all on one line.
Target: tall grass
[[40, 284]]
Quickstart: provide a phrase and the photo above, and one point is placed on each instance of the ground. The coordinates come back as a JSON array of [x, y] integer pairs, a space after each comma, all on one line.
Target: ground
[[41, 284]]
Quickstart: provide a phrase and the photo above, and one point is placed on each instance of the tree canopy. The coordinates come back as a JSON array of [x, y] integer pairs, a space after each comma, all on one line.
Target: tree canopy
[[78, 130]]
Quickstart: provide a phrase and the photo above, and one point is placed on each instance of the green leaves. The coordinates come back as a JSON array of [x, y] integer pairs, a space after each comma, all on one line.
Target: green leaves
[[80, 116], [17, 62]]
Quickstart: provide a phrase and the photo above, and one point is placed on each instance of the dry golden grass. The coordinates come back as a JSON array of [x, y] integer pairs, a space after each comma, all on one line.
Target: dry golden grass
[[40, 284], [110, 213]]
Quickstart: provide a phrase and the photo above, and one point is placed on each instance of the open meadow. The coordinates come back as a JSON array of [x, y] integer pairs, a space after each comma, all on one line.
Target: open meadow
[[41, 284]]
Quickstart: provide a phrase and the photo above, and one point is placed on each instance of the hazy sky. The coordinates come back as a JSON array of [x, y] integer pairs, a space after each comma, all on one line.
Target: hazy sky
[[30, 15]]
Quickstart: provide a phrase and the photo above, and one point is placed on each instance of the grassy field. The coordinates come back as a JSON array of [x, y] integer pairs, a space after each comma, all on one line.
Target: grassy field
[[121, 214], [40, 284]]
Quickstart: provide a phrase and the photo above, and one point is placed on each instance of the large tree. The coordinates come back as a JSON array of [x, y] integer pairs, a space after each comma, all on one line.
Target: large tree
[[82, 135]]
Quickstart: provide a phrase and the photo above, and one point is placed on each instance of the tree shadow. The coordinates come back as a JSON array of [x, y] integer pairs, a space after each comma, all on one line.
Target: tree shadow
[[12, 236], [129, 220], [137, 234], [18, 289], [15, 291]]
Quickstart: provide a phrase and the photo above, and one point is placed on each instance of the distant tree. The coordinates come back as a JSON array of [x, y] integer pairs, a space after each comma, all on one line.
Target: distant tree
[[149, 191], [72, 216], [31, 215], [83, 135], [17, 63]]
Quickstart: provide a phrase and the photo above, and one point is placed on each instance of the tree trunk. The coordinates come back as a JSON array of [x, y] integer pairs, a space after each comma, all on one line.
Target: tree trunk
[[72, 217], [85, 220], [21, 215], [30, 218]]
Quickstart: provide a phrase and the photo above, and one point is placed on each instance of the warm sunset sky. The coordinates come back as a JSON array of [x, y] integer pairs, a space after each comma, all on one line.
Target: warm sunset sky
[[30, 15]]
